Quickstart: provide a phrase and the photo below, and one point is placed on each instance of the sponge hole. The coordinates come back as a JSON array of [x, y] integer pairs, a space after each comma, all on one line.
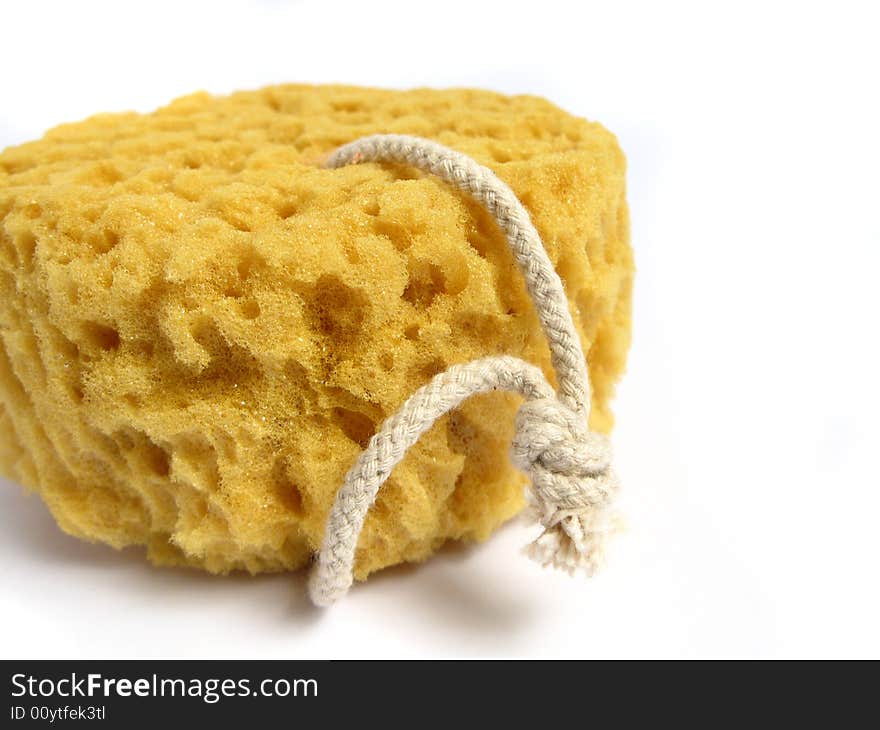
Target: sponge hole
[[347, 105], [287, 210], [287, 490], [247, 263], [399, 235], [478, 241], [250, 309], [100, 336], [32, 211], [197, 461], [461, 433], [426, 282], [26, 245], [104, 240], [500, 154], [157, 459], [142, 450], [356, 426], [338, 310], [431, 368]]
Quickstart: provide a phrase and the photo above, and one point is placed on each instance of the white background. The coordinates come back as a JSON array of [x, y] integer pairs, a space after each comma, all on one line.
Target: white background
[[748, 421]]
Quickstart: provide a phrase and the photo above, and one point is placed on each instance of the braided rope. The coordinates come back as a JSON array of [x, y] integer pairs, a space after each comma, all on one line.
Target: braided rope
[[569, 467]]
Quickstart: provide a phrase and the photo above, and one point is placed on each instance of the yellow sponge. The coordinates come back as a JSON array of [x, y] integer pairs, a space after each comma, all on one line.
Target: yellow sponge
[[200, 327]]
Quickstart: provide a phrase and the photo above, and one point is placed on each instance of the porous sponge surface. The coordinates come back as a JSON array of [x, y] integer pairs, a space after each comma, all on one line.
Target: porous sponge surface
[[200, 328]]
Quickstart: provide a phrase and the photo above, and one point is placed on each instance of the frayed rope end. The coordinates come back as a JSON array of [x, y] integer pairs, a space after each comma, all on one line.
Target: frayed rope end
[[575, 543], [573, 486]]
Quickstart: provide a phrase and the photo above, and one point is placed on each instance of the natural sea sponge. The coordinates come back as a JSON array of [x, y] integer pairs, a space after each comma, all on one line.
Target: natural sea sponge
[[200, 327]]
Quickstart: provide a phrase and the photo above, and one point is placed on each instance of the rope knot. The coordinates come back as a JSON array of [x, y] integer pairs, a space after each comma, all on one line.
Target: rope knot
[[572, 482]]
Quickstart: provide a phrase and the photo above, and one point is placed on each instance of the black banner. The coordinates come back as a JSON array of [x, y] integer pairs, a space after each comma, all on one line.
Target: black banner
[[152, 693]]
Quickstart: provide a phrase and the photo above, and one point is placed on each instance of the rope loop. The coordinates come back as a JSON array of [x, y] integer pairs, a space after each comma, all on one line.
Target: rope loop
[[568, 466]]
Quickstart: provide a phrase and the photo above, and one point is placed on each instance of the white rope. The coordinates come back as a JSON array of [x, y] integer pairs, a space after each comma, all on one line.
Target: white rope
[[569, 467]]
